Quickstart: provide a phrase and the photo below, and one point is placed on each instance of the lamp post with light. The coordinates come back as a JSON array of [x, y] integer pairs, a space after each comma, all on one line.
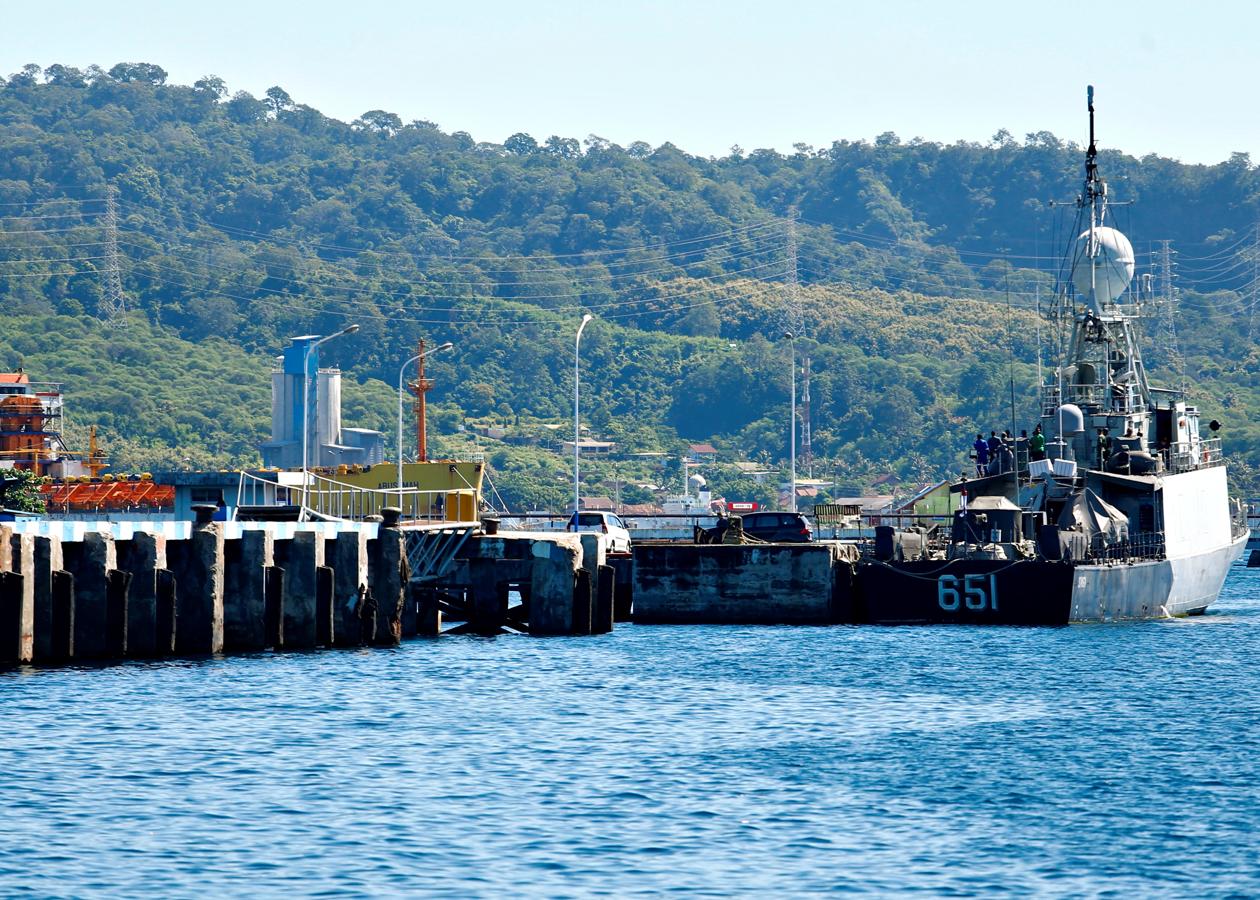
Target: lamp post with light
[[577, 343]]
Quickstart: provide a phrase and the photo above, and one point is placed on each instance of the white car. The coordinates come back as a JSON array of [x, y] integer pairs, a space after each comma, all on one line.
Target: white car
[[603, 523]]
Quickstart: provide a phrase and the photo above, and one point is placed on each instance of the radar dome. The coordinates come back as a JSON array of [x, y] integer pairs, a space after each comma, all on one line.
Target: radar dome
[[1115, 264]]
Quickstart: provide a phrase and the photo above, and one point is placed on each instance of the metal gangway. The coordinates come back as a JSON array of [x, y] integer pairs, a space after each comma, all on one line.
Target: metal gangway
[[437, 523], [310, 496]]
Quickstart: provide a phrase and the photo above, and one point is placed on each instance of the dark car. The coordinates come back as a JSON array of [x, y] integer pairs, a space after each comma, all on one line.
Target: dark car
[[778, 527]]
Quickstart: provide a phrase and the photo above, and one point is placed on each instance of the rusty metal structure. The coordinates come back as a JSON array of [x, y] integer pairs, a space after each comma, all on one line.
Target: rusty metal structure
[[418, 388]]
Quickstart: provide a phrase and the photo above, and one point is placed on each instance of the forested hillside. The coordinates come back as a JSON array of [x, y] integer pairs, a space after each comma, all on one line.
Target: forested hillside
[[243, 221]]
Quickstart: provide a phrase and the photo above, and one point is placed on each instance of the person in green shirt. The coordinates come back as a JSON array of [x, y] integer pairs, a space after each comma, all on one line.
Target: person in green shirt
[[1104, 447], [1037, 444]]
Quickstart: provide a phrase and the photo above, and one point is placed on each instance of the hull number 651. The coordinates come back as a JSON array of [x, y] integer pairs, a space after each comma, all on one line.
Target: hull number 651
[[978, 591]]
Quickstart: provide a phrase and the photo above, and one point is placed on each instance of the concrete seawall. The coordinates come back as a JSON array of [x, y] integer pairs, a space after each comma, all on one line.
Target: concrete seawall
[[71, 591], [764, 584]]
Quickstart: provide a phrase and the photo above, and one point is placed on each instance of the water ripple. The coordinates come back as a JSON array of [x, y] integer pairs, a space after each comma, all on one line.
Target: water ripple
[[1093, 761]]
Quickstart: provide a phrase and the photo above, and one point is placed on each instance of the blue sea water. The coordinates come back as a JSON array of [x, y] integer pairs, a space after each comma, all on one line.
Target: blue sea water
[[1117, 760]]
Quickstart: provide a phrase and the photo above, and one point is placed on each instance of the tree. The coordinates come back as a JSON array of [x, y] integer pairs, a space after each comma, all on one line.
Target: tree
[[565, 148], [213, 85], [27, 77], [521, 144], [65, 76], [19, 491], [144, 73], [379, 121], [279, 100], [244, 108]]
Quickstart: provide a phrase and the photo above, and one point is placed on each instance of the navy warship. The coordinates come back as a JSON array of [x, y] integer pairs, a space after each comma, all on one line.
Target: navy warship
[[1125, 514]]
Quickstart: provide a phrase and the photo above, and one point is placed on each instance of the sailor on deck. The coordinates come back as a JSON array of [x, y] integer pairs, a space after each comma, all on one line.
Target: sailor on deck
[[982, 455], [1037, 444]]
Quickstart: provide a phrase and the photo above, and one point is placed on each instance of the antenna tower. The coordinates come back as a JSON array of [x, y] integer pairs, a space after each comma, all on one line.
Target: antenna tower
[[113, 306]]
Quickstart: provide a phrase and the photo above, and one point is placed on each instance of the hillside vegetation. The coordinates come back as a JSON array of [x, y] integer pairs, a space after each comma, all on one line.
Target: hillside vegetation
[[243, 221]]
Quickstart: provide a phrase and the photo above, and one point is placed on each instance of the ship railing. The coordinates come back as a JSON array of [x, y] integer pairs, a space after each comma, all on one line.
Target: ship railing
[[1117, 398], [1138, 545], [1185, 456], [326, 498]]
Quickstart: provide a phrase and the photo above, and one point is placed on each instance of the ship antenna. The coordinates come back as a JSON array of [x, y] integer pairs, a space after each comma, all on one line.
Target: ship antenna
[[1095, 196]]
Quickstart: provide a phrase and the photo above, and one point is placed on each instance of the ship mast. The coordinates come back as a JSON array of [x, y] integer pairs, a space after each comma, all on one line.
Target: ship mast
[[1096, 196], [1103, 383]]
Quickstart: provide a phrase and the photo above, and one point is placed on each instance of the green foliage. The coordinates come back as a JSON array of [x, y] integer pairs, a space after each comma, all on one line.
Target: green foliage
[[245, 221], [19, 491]]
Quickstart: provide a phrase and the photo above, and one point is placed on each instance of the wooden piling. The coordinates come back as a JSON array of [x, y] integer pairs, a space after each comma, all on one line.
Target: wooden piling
[[274, 606], [198, 566], [12, 588], [324, 578], [551, 588], [349, 559], [487, 607], [245, 564], [61, 646], [165, 614], [388, 574], [117, 588], [142, 556], [300, 556], [428, 610], [603, 616], [91, 560], [48, 559], [19, 558]]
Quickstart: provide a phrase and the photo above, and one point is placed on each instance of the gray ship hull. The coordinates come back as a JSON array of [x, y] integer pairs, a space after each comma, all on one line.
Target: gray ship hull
[[1152, 589]]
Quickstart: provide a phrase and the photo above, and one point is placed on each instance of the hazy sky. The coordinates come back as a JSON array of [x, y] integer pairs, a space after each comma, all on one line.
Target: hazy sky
[[1174, 78]]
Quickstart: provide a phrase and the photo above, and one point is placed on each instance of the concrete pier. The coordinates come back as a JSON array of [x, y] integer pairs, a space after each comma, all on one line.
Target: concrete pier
[[246, 562], [299, 557], [17, 557], [142, 557], [552, 584], [91, 561], [387, 556], [734, 584], [347, 554], [198, 567], [603, 615], [107, 590]]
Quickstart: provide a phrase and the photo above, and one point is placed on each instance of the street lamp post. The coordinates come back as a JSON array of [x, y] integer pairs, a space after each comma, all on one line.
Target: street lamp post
[[792, 422], [306, 428], [447, 346], [577, 489]]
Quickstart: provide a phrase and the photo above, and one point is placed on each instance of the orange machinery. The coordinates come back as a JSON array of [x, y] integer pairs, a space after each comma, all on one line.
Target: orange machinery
[[107, 495], [26, 438]]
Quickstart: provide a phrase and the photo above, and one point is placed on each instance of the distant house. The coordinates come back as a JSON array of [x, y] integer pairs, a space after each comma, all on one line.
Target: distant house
[[598, 504], [494, 432], [889, 480], [702, 452], [588, 447], [756, 471]]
